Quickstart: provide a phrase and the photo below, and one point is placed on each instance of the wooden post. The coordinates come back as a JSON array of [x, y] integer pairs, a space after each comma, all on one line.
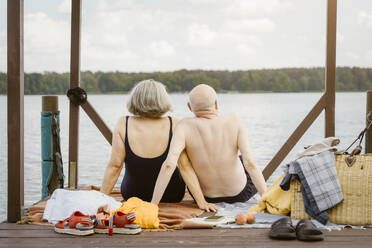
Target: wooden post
[[368, 145], [74, 82], [15, 110], [330, 69], [49, 103]]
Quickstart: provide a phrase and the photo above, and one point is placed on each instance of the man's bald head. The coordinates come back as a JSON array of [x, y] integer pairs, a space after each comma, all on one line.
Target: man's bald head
[[202, 97]]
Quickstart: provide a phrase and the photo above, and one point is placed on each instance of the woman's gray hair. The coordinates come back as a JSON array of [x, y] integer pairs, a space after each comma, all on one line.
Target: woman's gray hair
[[149, 98]]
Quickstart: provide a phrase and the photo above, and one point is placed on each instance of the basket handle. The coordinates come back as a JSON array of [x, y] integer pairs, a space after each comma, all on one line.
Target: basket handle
[[350, 160], [358, 149]]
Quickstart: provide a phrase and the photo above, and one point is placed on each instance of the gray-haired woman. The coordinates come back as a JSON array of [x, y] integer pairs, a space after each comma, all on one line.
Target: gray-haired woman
[[142, 143]]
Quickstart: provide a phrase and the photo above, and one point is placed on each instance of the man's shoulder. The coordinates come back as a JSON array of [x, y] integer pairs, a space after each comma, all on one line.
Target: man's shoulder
[[185, 122], [231, 117]]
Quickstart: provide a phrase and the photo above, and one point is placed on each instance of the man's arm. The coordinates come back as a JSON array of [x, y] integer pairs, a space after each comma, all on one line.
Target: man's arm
[[115, 164], [176, 147], [192, 182], [249, 162]]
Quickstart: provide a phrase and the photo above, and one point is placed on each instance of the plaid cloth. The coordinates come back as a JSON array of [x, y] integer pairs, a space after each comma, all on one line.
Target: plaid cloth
[[321, 188]]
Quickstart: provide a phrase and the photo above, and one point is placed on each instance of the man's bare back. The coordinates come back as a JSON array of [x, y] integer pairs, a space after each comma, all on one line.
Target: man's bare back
[[212, 147], [212, 143]]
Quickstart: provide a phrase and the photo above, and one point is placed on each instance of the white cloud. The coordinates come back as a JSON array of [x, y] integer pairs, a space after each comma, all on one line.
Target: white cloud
[[340, 38], [200, 34], [161, 49], [365, 18], [64, 7], [238, 9], [368, 58], [3, 50], [250, 25], [245, 49], [46, 42], [352, 55]]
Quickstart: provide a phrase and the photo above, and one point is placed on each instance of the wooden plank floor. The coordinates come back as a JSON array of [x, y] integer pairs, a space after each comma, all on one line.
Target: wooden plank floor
[[12, 235]]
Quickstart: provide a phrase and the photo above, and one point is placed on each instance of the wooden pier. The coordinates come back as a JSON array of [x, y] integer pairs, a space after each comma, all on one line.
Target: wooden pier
[[16, 96], [13, 235]]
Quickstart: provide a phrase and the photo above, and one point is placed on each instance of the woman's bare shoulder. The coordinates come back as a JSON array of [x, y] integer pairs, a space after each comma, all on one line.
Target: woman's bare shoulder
[[122, 120], [120, 126]]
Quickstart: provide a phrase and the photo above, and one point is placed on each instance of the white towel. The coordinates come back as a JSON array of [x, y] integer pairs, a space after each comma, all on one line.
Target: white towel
[[63, 203], [327, 144]]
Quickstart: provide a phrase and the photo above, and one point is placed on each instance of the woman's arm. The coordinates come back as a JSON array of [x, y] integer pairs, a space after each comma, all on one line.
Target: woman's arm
[[169, 165], [192, 182], [115, 164]]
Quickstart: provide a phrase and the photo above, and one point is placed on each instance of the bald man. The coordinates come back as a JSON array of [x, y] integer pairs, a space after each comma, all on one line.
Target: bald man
[[212, 143]]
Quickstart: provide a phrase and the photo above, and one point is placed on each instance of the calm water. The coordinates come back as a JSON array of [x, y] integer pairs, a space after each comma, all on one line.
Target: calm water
[[269, 118]]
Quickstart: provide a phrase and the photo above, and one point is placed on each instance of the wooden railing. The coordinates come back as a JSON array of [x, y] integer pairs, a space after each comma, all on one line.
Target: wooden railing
[[15, 102], [326, 102]]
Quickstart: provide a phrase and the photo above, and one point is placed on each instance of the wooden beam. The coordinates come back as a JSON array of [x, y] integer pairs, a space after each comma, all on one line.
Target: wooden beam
[[74, 82], [15, 110], [368, 146], [97, 120], [294, 138], [330, 69]]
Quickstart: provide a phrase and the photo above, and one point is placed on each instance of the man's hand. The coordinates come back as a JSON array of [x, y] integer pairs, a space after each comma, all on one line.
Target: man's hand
[[208, 207]]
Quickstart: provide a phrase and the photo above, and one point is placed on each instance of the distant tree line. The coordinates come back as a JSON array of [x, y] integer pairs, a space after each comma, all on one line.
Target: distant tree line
[[265, 80]]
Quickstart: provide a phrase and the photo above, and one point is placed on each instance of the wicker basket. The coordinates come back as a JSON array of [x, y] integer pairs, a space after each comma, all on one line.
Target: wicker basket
[[356, 186]]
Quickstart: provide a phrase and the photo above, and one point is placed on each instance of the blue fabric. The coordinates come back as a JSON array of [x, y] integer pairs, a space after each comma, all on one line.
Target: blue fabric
[[46, 136], [286, 182], [47, 156], [46, 172], [311, 207]]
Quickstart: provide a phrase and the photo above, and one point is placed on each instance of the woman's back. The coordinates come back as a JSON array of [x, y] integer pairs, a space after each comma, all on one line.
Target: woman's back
[[147, 143], [148, 137]]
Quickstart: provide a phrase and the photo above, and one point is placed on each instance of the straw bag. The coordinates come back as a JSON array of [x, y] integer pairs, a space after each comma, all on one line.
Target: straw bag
[[355, 176]]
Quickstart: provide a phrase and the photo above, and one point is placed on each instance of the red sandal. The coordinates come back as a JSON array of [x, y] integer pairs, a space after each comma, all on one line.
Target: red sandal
[[119, 223], [77, 224]]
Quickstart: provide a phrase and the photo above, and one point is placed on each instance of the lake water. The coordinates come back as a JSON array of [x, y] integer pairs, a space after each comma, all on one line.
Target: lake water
[[269, 118]]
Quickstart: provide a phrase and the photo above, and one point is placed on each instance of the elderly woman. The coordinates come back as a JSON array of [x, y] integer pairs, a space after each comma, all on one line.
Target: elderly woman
[[142, 142]]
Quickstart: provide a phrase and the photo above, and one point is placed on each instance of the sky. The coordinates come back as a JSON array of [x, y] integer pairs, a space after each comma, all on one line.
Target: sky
[[167, 35]]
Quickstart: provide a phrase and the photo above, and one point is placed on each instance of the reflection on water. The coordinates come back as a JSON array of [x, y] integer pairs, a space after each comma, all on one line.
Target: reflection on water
[[269, 118]]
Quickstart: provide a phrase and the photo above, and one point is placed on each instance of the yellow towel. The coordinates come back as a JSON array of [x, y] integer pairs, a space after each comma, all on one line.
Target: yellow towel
[[146, 212], [274, 200]]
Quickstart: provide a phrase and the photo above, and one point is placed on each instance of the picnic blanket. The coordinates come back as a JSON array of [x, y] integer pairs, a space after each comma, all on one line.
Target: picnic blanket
[[263, 220], [171, 215]]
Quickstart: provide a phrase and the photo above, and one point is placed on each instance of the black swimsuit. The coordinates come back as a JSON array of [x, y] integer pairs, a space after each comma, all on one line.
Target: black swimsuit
[[141, 174]]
